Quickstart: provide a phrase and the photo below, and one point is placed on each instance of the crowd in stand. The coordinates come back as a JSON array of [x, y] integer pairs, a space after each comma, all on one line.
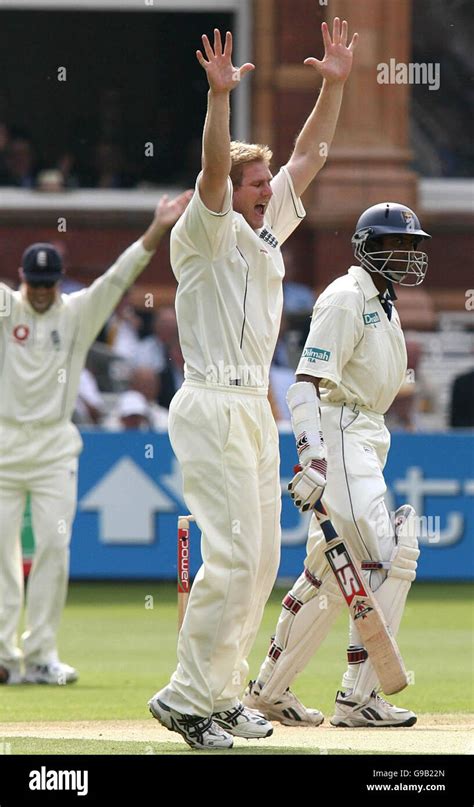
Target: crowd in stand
[[102, 160], [153, 369], [136, 366], [105, 165]]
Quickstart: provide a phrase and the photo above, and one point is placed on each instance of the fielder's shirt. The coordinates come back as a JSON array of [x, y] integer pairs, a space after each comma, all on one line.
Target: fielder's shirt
[[230, 297], [42, 355], [359, 353]]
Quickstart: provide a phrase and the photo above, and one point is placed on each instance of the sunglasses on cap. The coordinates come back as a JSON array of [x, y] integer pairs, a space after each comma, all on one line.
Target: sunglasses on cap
[[46, 284]]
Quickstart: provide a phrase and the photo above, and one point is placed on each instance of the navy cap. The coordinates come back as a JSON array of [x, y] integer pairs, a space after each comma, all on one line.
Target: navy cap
[[42, 262]]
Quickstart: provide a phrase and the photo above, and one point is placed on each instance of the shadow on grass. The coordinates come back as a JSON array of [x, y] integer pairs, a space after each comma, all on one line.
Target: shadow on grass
[[115, 592]]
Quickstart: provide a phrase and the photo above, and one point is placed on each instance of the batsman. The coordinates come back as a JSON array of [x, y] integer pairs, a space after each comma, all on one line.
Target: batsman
[[352, 366]]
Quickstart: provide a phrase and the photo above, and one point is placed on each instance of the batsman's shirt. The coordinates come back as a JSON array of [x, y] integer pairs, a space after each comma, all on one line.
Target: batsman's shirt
[[42, 355], [229, 299], [359, 353]]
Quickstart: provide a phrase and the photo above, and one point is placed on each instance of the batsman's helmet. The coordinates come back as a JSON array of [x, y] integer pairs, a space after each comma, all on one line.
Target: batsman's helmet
[[406, 267]]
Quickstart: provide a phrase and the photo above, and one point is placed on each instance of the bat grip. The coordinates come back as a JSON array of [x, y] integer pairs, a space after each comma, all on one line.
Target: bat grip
[[322, 515]]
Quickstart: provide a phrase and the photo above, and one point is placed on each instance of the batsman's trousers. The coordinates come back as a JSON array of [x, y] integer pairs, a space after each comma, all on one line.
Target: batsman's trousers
[[226, 441], [357, 444], [42, 461]]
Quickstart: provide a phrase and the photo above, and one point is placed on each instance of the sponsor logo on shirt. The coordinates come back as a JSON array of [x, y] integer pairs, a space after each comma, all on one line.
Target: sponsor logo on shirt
[[316, 354], [371, 319], [21, 333]]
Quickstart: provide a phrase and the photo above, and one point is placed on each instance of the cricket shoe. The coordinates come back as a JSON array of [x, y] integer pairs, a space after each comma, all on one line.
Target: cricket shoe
[[10, 675], [243, 722], [198, 732], [55, 673], [288, 710], [376, 712]]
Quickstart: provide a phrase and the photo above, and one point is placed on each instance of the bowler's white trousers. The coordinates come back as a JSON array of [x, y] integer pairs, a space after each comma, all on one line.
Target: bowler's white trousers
[[226, 441], [41, 460]]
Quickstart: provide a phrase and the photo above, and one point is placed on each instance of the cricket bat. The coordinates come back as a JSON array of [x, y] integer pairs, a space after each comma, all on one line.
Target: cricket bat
[[364, 609]]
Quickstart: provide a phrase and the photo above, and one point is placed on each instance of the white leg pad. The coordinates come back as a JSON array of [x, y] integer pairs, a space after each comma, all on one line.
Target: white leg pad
[[391, 596], [309, 611]]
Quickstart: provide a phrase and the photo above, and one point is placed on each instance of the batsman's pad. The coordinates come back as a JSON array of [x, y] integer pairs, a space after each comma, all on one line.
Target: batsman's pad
[[309, 610], [391, 596]]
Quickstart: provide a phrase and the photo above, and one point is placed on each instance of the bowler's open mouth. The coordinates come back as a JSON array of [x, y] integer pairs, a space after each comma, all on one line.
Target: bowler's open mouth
[[260, 209]]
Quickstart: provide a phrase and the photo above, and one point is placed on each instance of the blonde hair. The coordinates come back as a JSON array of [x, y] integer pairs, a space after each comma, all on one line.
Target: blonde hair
[[242, 153]]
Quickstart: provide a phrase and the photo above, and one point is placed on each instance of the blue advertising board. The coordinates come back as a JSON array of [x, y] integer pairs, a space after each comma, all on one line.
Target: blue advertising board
[[130, 494]]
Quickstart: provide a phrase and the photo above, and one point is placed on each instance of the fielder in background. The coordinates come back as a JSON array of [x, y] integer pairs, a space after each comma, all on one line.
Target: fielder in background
[[225, 253], [352, 367], [44, 340]]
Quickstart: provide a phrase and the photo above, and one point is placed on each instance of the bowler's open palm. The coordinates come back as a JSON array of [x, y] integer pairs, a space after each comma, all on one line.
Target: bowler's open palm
[[221, 73], [337, 62]]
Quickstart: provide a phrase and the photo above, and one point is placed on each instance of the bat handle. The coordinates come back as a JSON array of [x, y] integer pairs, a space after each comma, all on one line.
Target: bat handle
[[320, 509], [322, 515]]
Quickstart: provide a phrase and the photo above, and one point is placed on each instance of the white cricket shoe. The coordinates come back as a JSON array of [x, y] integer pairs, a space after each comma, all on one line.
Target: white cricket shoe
[[375, 712], [242, 722], [10, 675], [198, 732], [288, 710], [55, 673]]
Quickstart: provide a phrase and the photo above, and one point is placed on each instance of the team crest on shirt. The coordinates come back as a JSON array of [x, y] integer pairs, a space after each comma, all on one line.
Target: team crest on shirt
[[270, 239], [21, 333]]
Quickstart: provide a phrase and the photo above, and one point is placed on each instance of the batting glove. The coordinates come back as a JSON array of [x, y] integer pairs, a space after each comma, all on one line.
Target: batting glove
[[307, 485]]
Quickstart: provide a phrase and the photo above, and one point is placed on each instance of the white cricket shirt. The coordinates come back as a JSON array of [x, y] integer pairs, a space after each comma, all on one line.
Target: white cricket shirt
[[42, 355], [229, 298], [353, 347]]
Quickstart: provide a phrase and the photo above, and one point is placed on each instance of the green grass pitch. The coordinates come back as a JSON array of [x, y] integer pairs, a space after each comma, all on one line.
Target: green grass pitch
[[122, 639]]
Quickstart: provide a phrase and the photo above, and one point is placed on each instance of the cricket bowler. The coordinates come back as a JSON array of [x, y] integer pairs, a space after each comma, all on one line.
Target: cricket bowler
[[226, 255]]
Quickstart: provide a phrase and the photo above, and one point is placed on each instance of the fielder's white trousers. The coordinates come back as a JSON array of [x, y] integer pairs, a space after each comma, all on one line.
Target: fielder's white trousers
[[43, 462], [226, 441]]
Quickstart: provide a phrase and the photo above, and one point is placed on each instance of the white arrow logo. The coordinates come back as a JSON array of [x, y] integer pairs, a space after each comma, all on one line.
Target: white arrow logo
[[127, 500]]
